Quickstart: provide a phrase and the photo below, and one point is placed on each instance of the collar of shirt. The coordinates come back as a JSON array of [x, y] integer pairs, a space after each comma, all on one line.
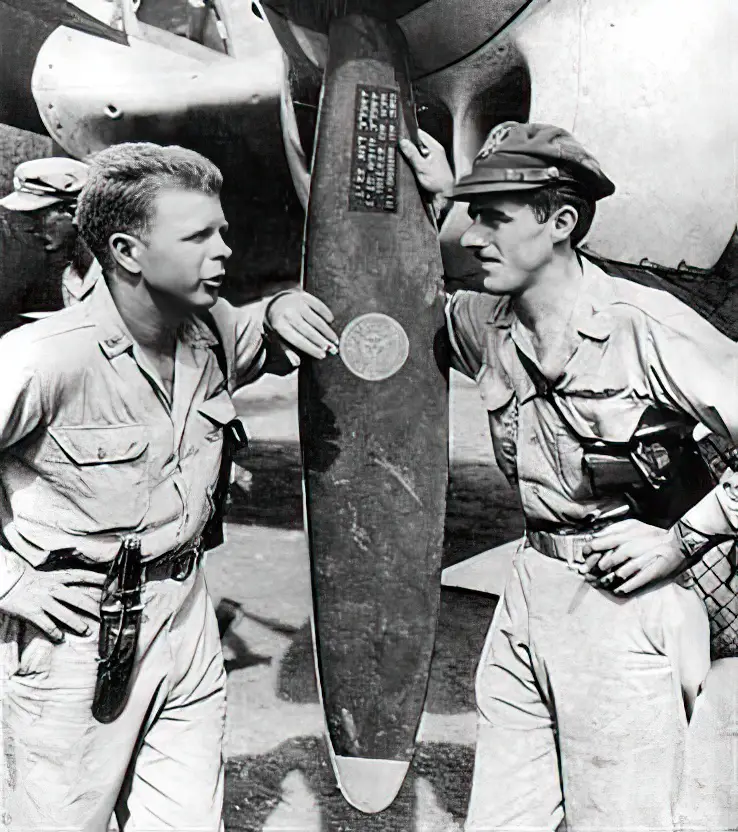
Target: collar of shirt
[[114, 336], [590, 319], [79, 286]]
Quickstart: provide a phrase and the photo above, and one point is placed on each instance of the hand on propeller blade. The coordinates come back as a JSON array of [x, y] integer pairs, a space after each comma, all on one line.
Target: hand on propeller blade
[[430, 165], [303, 321]]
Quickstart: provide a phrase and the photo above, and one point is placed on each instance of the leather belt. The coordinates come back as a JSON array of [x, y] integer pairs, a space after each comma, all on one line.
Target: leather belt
[[566, 547], [177, 565], [566, 542]]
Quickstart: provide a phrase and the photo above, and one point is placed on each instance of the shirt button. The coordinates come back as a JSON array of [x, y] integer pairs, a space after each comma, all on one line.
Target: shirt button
[[101, 453]]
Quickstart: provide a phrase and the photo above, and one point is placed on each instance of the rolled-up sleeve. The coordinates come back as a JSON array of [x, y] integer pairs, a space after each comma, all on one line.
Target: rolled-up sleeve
[[466, 315], [694, 368], [256, 350]]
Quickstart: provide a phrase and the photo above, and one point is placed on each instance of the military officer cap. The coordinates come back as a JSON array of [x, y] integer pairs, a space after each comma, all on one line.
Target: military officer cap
[[43, 182], [521, 157]]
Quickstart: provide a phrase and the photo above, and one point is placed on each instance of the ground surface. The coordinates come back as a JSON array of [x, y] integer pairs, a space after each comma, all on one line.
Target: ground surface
[[278, 772]]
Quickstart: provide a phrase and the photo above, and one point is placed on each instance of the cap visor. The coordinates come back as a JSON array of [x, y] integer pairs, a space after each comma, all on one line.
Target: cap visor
[[20, 201], [464, 192]]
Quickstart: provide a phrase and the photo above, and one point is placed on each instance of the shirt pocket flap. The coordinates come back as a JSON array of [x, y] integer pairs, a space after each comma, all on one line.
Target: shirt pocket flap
[[219, 409], [99, 445], [495, 387]]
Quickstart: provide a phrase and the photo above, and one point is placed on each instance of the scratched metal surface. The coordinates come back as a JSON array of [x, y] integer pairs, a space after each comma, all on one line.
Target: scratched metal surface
[[375, 451]]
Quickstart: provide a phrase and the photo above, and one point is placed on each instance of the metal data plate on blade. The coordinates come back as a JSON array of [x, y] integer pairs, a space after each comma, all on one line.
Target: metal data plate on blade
[[374, 156], [373, 420]]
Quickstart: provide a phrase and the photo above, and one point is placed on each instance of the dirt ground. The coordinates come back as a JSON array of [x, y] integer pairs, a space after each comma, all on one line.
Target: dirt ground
[[278, 771]]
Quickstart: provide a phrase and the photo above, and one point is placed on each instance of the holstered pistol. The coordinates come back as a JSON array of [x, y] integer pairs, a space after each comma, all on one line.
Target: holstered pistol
[[120, 622]]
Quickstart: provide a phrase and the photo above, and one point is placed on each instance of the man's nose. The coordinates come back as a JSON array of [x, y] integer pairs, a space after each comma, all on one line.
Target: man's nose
[[223, 250], [476, 236]]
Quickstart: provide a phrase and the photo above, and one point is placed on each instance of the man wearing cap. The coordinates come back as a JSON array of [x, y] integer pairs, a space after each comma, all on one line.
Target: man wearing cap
[[596, 654], [47, 190]]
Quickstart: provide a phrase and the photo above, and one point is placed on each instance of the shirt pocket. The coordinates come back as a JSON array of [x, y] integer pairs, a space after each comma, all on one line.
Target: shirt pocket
[[100, 474]]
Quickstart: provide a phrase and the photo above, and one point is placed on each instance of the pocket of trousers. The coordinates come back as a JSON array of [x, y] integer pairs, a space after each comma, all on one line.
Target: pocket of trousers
[[34, 651]]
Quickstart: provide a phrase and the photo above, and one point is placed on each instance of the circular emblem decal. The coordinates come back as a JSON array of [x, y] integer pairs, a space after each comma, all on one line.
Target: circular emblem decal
[[374, 346]]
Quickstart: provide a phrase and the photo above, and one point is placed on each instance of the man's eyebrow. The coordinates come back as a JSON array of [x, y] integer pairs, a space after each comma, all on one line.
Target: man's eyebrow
[[210, 227], [488, 211], [196, 232]]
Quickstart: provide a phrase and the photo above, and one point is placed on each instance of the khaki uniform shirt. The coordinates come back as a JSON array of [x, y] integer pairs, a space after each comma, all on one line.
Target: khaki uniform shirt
[[635, 347], [92, 447], [75, 286]]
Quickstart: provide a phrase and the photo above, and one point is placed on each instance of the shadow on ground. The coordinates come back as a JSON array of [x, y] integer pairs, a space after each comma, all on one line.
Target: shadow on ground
[[254, 788]]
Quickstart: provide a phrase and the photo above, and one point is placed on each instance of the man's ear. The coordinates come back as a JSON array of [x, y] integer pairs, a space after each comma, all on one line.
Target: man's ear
[[564, 222], [127, 251]]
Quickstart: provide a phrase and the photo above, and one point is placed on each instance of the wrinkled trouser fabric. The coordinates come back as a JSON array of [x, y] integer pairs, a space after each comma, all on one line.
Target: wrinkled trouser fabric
[[708, 800], [159, 765], [583, 700]]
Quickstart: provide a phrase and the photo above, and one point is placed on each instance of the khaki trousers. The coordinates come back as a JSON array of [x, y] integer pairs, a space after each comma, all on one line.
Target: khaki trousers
[[708, 800], [583, 703], [159, 765]]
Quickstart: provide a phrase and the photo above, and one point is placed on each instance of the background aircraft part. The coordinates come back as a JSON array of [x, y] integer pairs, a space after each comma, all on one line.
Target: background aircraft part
[[24, 26], [649, 89], [296, 158], [61, 12], [456, 28], [148, 86], [165, 88], [490, 86], [374, 421]]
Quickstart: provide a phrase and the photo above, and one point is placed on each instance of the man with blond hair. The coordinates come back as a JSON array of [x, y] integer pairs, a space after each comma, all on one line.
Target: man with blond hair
[[113, 415]]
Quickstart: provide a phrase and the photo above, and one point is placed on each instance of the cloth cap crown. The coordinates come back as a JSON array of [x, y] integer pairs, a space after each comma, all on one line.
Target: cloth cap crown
[[520, 157], [43, 182]]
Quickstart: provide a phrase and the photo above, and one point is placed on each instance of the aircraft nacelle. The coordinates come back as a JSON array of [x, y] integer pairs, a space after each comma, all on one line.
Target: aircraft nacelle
[[647, 89]]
